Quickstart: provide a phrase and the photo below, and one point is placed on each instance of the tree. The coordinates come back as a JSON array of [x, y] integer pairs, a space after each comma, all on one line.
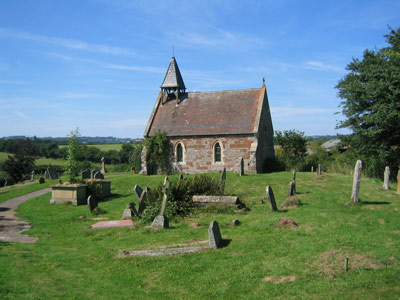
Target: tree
[[71, 165], [292, 142], [125, 153], [18, 165], [371, 105], [158, 150]]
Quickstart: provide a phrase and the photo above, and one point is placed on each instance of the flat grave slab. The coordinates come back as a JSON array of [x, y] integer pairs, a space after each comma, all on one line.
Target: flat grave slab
[[112, 224]]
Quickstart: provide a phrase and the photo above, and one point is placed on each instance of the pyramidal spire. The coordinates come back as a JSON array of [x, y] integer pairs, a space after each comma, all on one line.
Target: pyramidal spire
[[173, 79]]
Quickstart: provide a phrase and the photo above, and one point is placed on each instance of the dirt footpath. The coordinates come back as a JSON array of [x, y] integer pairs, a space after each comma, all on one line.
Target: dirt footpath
[[10, 226]]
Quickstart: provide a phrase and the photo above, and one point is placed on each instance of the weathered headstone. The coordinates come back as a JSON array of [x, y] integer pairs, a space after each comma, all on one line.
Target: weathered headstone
[[241, 172], [52, 172], [398, 182], [291, 189], [386, 178], [46, 174], [271, 198], [32, 175], [103, 169], [214, 235], [319, 170], [98, 175], [142, 201], [294, 175], [235, 223], [312, 169], [41, 180], [138, 191], [161, 221], [356, 181], [94, 171], [127, 214], [181, 177], [222, 183], [92, 203], [85, 174]]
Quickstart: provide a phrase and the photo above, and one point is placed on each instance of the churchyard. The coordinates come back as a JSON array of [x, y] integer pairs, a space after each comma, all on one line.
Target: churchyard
[[292, 253]]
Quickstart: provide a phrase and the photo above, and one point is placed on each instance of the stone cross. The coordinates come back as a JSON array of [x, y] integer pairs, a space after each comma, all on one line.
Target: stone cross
[[222, 183], [241, 171], [386, 178], [103, 169], [398, 182], [214, 235], [291, 188], [165, 197], [32, 174], [271, 198], [356, 181]]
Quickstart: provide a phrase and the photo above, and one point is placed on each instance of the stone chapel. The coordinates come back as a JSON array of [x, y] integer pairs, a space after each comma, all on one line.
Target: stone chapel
[[209, 131]]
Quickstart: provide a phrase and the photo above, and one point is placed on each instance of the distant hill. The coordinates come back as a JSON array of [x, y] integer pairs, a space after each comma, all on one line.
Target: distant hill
[[83, 139]]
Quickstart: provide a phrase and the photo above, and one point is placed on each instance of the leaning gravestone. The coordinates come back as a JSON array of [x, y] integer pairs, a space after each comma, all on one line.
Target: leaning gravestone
[[142, 201], [85, 174], [92, 203], [52, 172], [386, 178], [98, 175], [241, 172], [138, 191], [271, 198], [222, 183], [161, 221], [291, 188], [214, 235], [356, 181]]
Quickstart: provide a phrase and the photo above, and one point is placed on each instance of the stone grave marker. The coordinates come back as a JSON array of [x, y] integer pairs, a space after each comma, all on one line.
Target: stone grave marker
[[236, 223], [41, 180], [98, 175], [241, 172], [161, 221], [46, 174], [398, 182], [271, 198], [356, 181], [94, 171], [319, 169], [32, 175], [291, 189], [92, 203], [294, 175], [142, 201], [386, 178], [85, 174], [312, 169], [214, 235], [138, 191], [52, 172], [222, 183], [127, 214], [103, 169]]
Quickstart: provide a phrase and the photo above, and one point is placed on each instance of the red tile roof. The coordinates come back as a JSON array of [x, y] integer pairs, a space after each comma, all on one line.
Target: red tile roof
[[208, 113]]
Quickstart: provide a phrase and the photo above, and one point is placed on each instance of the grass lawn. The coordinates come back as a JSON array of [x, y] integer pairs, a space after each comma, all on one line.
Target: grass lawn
[[262, 260]]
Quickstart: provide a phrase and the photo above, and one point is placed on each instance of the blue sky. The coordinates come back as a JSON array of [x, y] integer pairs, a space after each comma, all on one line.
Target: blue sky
[[98, 64]]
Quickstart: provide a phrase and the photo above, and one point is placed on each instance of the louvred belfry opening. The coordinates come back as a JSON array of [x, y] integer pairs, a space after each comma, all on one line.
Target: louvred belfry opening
[[173, 86]]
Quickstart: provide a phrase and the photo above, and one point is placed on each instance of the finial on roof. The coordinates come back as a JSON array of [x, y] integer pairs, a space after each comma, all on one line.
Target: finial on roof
[[263, 82]]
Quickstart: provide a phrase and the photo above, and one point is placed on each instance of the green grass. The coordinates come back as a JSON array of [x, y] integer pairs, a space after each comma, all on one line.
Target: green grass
[[102, 147], [3, 156], [23, 188], [71, 261]]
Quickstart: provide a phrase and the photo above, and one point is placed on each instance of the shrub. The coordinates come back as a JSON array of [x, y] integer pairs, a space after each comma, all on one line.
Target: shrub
[[179, 195]]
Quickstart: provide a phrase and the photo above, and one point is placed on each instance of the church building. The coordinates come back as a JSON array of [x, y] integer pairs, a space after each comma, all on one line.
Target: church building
[[209, 131]]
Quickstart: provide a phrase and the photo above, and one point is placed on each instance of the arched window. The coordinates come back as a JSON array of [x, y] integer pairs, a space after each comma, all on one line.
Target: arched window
[[179, 153], [217, 152]]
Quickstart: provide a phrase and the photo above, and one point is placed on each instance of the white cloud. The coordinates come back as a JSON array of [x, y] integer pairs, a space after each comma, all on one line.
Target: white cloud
[[21, 114], [67, 43], [278, 112], [320, 66]]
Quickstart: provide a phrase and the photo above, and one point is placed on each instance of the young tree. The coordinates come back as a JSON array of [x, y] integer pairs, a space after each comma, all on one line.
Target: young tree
[[71, 165], [371, 104]]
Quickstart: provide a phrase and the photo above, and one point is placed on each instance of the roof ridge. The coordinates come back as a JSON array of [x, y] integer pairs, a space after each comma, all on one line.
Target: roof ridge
[[220, 91]]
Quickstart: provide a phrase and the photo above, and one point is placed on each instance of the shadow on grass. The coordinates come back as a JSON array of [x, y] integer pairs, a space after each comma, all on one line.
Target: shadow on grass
[[375, 202], [225, 243], [112, 197]]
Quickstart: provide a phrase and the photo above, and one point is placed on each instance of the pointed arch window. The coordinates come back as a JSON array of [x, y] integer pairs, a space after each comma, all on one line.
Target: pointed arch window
[[179, 153], [217, 152]]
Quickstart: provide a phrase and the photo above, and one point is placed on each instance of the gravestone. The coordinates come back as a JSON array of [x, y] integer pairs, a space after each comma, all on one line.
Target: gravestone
[[312, 169], [134, 212], [214, 235], [52, 172], [92, 203], [85, 174], [241, 172], [356, 181], [294, 175], [386, 178], [138, 191], [181, 177], [161, 221], [32, 175], [291, 189], [398, 182], [46, 174], [236, 223], [319, 169], [222, 183], [41, 180], [271, 198], [130, 211], [98, 175], [103, 169], [142, 201]]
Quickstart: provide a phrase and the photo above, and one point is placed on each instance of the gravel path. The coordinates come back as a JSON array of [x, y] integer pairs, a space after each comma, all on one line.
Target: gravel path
[[10, 226]]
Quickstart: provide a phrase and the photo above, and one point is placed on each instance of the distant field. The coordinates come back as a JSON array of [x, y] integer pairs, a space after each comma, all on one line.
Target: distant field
[[3, 156], [39, 161], [102, 147]]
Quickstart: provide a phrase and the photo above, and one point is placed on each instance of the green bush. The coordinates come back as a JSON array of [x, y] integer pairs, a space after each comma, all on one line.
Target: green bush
[[180, 195]]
